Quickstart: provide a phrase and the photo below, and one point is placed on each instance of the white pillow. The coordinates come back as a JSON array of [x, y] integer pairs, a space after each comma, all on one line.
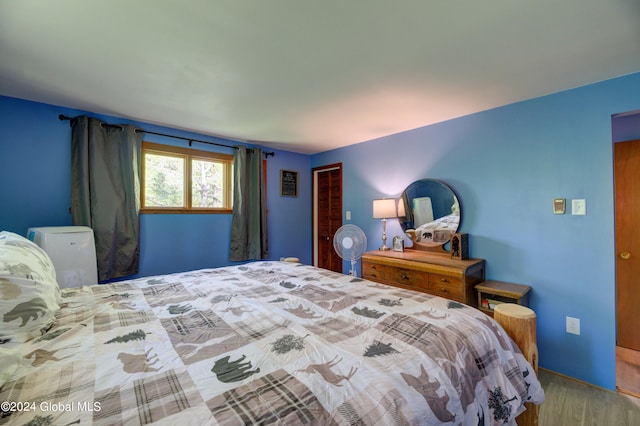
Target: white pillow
[[10, 357], [29, 293]]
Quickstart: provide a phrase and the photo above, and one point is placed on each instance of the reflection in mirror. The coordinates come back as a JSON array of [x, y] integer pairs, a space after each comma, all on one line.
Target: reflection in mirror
[[430, 209]]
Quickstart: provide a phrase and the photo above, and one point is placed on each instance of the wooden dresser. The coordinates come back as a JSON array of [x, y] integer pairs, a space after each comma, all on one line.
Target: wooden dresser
[[433, 273]]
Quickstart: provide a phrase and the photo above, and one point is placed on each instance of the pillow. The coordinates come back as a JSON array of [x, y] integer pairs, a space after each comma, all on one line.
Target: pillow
[[10, 357], [29, 293]]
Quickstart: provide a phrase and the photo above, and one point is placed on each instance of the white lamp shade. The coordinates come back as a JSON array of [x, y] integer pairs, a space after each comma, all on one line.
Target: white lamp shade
[[384, 208]]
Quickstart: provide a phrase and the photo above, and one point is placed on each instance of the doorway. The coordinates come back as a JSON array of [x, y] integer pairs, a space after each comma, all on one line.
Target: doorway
[[327, 215], [627, 215]]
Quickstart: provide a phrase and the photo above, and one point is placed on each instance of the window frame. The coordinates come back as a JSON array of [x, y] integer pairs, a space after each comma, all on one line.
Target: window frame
[[188, 154]]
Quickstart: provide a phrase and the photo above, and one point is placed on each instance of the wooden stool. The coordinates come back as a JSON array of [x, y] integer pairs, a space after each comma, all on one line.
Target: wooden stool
[[520, 323]]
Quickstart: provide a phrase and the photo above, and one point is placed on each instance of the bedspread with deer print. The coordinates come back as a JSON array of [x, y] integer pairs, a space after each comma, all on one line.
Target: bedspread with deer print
[[266, 343]]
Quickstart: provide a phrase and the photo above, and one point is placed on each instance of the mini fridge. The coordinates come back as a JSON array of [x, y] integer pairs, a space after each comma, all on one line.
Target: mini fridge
[[72, 251]]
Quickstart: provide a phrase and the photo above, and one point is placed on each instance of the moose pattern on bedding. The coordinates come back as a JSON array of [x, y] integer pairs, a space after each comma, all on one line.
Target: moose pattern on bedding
[[29, 293], [268, 343]]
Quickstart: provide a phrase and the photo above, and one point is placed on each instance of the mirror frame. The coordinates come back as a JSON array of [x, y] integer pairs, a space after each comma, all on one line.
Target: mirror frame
[[439, 207]]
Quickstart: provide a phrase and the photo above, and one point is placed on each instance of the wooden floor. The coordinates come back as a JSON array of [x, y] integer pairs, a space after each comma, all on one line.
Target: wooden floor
[[569, 402], [628, 371]]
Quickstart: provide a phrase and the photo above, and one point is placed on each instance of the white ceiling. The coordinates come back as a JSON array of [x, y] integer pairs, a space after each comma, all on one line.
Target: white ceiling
[[308, 75]]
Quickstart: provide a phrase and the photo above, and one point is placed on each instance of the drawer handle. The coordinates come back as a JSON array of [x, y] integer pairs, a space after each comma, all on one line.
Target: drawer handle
[[444, 280], [374, 276], [374, 267], [403, 276], [444, 290]]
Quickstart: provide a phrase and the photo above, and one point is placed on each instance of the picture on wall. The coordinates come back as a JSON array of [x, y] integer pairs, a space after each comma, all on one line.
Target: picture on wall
[[288, 183]]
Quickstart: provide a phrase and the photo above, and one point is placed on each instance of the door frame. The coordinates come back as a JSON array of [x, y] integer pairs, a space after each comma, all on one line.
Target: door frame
[[314, 206]]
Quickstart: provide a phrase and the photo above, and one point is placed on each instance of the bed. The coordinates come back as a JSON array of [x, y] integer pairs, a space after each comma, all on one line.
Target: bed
[[258, 343], [438, 231]]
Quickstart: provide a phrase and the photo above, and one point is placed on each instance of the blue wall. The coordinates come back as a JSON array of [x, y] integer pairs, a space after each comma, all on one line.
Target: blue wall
[[626, 127], [507, 165], [35, 176]]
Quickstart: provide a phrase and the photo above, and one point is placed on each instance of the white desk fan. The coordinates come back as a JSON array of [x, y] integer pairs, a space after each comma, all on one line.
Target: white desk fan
[[350, 243]]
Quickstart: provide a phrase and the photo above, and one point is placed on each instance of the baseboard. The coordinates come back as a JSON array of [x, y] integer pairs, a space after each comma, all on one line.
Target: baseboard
[[628, 392], [573, 379]]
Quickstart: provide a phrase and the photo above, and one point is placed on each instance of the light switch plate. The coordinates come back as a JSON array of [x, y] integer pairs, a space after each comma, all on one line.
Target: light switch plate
[[579, 207]]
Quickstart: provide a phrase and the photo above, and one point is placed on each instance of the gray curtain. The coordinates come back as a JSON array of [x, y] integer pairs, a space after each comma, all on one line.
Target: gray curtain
[[105, 192], [249, 222]]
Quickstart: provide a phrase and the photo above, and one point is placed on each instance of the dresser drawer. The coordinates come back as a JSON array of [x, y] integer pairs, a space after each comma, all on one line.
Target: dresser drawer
[[373, 271], [432, 273], [408, 277], [446, 286]]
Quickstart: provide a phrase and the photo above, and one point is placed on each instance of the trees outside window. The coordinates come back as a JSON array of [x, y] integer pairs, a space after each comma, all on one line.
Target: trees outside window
[[180, 180]]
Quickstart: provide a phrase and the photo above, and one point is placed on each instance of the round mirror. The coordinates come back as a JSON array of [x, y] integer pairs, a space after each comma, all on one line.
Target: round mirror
[[431, 209]]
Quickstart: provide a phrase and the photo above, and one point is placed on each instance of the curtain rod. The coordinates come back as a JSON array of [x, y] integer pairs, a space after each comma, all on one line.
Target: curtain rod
[[63, 117]]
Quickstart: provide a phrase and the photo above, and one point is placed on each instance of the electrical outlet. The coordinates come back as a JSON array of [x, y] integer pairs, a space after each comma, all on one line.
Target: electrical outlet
[[573, 325], [579, 207]]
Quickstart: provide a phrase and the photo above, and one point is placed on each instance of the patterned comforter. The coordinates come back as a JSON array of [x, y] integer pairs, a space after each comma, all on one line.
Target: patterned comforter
[[267, 342]]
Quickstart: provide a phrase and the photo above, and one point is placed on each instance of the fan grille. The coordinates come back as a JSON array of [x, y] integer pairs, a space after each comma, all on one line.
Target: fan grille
[[349, 242]]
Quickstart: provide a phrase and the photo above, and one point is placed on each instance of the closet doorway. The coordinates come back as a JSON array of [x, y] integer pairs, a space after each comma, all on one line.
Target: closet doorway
[[327, 215], [627, 220]]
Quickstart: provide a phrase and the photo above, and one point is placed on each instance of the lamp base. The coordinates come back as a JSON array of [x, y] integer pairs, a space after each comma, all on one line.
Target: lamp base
[[384, 236]]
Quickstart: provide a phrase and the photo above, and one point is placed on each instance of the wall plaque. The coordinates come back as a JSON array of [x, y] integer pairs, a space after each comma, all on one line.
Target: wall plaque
[[288, 183]]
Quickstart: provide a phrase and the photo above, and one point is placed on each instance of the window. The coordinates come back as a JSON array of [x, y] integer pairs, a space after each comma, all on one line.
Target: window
[[180, 180]]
